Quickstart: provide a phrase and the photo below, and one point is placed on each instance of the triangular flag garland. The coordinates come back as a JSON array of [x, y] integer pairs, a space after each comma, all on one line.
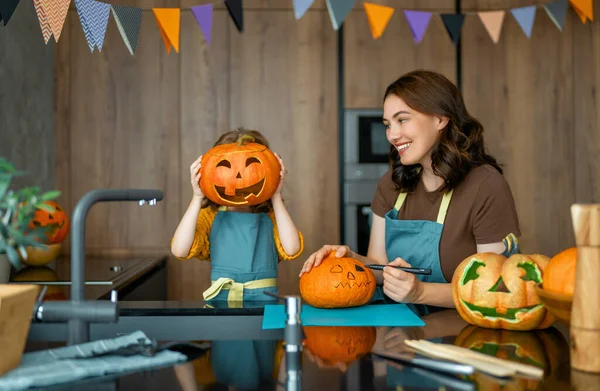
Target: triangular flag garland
[[203, 15], [169, 22], [453, 23], [378, 17], [525, 16], [7, 8], [557, 12], [492, 21], [94, 18], [94, 14], [129, 22]]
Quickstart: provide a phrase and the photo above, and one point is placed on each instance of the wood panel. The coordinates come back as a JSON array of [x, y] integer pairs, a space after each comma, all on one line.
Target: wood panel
[[522, 92], [284, 83], [371, 65]]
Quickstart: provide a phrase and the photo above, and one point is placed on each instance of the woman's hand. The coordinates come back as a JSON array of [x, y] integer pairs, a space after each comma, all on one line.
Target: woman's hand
[[399, 285], [317, 257], [195, 178], [282, 173]]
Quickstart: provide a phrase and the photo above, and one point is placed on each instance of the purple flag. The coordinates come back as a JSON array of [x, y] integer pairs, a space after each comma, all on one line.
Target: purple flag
[[418, 22], [203, 15]]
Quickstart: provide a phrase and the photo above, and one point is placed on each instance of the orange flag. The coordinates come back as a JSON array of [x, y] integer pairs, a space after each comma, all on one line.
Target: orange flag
[[168, 20], [378, 16], [584, 9], [492, 20]]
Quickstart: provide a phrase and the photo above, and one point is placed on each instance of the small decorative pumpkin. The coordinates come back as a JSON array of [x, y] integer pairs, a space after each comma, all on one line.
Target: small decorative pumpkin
[[339, 344], [492, 291], [559, 276], [239, 174], [338, 282], [541, 348], [58, 221]]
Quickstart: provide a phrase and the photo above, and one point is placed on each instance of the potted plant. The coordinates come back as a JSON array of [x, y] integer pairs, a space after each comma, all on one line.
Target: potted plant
[[17, 208]]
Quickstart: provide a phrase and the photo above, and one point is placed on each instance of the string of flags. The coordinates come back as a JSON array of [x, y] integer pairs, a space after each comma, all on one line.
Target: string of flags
[[94, 16]]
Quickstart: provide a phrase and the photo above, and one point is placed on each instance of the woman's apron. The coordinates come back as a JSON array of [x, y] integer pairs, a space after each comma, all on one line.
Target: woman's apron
[[243, 258]]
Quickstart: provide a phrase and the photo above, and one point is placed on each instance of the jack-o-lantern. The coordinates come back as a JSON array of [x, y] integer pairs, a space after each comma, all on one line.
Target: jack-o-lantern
[[57, 223], [338, 282], [339, 344], [239, 174], [492, 291], [541, 348]]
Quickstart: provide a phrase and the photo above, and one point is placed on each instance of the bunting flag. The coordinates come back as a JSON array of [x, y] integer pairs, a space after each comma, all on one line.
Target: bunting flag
[[378, 17], [525, 16], [338, 11], [584, 9], [453, 23], [93, 16], [236, 11], [492, 21], [44, 25], [169, 22], [129, 22], [7, 8], [203, 15], [55, 13], [301, 6], [557, 12], [418, 22]]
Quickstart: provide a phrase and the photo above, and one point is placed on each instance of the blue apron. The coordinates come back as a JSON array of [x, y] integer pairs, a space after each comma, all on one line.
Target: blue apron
[[243, 364], [243, 258], [417, 242]]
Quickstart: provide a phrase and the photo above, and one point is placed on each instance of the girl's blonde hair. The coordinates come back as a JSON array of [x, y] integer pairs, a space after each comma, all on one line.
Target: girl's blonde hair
[[234, 136]]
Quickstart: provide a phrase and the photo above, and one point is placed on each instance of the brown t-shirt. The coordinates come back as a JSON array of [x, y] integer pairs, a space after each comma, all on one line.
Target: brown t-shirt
[[482, 210]]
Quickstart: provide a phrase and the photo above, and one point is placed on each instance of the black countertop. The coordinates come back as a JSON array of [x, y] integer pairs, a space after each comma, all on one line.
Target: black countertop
[[238, 354]]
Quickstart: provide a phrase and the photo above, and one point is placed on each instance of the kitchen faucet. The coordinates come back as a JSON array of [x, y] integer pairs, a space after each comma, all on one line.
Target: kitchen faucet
[[78, 312]]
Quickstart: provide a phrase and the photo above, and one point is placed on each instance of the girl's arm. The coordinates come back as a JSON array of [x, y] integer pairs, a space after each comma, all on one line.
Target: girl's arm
[[288, 233], [186, 230]]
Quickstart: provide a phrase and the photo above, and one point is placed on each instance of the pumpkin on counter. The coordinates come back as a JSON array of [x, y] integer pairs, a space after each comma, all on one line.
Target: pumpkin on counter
[[559, 276], [338, 282], [57, 222], [239, 174], [339, 344], [490, 290]]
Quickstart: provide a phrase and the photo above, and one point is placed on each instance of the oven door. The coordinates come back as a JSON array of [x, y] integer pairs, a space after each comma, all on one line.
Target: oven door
[[358, 227], [373, 145]]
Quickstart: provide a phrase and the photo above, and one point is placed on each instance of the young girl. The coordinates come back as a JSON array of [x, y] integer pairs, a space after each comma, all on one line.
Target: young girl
[[243, 244]]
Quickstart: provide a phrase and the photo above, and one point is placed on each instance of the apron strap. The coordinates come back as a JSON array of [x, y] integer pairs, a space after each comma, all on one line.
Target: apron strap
[[443, 206], [236, 289]]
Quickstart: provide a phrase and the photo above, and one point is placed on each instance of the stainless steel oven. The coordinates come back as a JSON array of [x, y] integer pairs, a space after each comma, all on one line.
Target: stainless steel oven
[[365, 156]]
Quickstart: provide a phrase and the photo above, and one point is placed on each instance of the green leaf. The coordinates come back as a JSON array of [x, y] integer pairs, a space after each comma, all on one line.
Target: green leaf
[[23, 252], [50, 195], [13, 257], [46, 207]]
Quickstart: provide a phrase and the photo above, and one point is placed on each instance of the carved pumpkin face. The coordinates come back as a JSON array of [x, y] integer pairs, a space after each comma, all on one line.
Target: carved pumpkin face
[[338, 282], [339, 344], [492, 291], [57, 221], [239, 174]]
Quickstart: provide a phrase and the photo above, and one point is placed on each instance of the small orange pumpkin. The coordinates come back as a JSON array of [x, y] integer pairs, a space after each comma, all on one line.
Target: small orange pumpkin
[[559, 276], [239, 174], [58, 220], [338, 282], [339, 344], [492, 291]]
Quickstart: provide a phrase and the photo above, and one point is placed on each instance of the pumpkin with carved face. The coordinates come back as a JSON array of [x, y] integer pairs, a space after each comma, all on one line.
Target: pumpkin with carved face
[[338, 282], [492, 291], [239, 174], [339, 344], [56, 222]]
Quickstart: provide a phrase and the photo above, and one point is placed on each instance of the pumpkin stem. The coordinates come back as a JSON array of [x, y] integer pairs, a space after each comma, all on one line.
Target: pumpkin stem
[[245, 138]]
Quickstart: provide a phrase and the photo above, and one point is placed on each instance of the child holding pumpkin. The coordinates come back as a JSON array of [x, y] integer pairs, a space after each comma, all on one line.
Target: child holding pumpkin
[[241, 224]]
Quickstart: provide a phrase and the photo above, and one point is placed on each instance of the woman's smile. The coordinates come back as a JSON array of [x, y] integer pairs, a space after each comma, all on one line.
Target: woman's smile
[[403, 147]]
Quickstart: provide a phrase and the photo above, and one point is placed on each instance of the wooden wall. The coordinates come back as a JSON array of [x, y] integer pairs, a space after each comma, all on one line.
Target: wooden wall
[[140, 121]]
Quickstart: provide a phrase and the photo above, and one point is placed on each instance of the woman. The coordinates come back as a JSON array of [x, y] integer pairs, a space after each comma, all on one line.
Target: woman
[[443, 199]]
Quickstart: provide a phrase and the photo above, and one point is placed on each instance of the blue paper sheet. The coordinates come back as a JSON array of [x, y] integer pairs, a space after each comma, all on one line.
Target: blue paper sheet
[[393, 315]]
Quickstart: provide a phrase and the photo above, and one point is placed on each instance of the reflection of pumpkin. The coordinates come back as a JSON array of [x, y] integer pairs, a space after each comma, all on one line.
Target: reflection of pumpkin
[[492, 291], [339, 344], [203, 369], [338, 282], [57, 221], [239, 174], [541, 348], [42, 274], [559, 276]]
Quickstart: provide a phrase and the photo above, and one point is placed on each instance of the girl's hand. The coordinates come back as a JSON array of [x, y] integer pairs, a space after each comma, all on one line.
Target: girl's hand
[[399, 285], [195, 178], [317, 257], [282, 173]]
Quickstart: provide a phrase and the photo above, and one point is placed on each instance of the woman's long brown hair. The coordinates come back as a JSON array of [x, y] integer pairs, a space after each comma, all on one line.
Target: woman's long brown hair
[[232, 137], [460, 147]]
